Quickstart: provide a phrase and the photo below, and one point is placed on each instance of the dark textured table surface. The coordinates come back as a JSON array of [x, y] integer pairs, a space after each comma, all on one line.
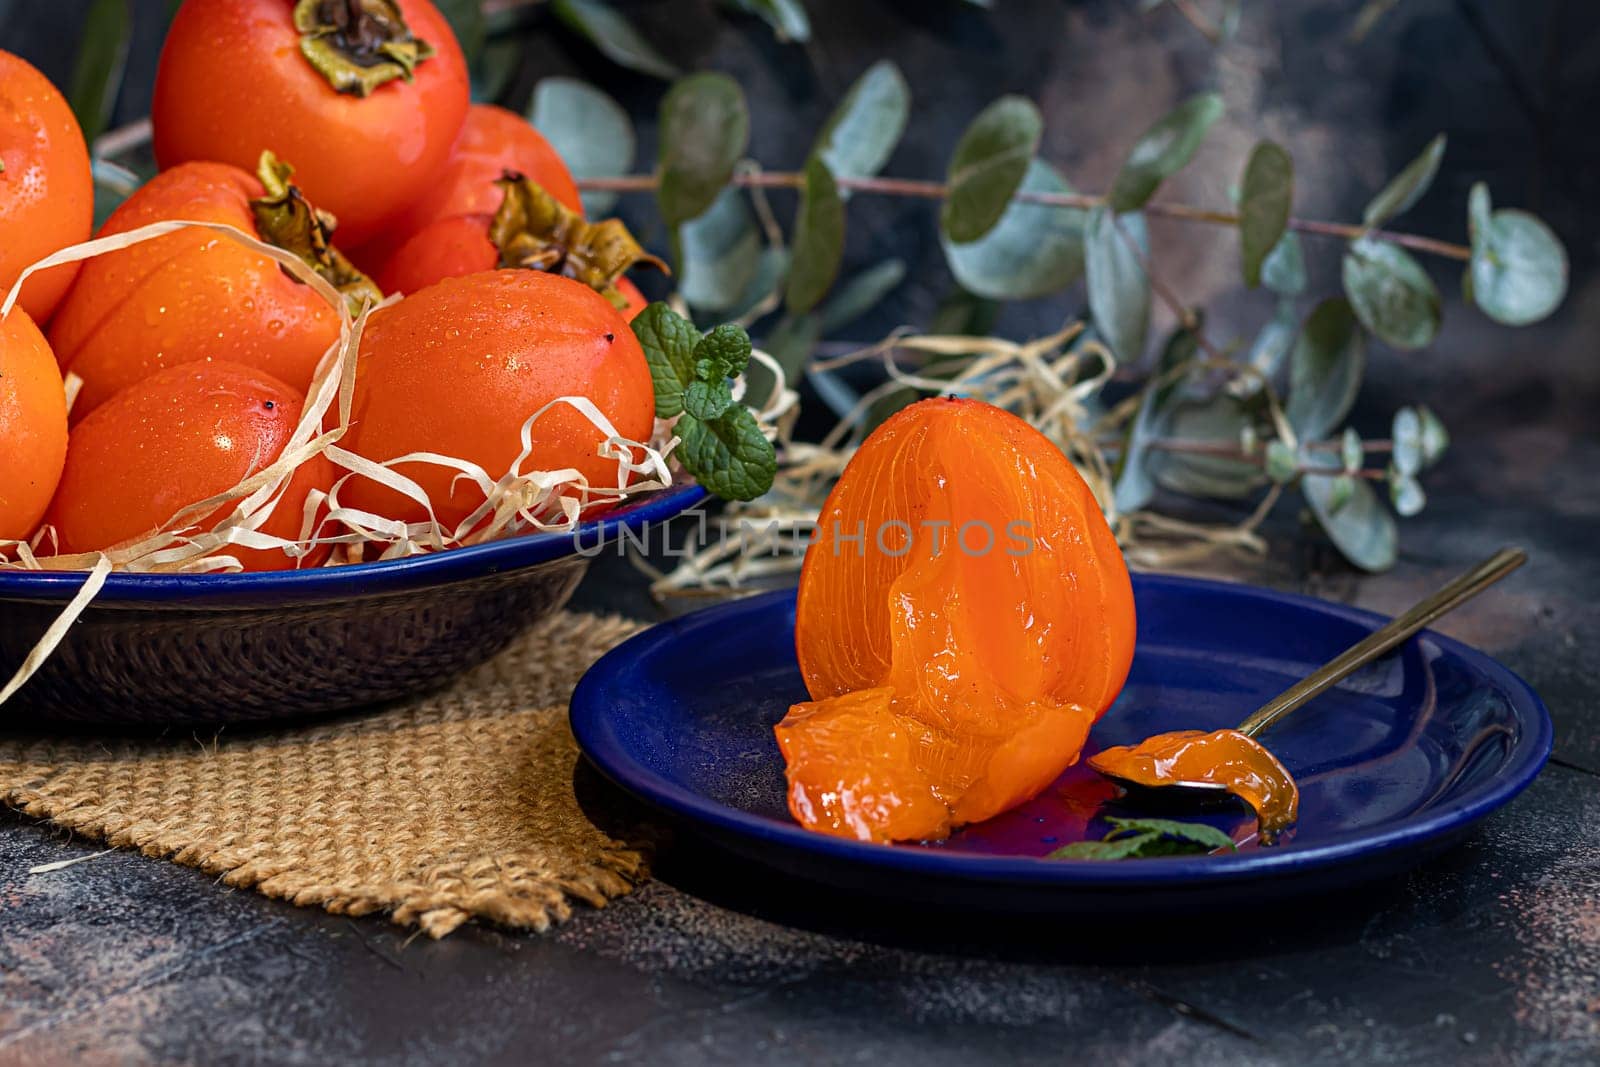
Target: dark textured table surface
[[1488, 954]]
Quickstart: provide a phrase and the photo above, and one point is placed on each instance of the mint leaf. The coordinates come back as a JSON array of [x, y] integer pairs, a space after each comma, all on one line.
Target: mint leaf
[[722, 445], [722, 353], [728, 455], [1140, 838], [1103, 850], [707, 400], [1197, 833], [669, 341]]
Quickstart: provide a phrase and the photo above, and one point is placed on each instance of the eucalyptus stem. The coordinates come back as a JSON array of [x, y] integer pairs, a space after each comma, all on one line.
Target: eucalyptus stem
[[932, 190]]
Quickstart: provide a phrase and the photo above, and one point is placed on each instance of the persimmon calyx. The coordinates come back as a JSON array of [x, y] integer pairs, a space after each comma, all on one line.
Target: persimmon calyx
[[358, 45], [534, 230], [284, 217]]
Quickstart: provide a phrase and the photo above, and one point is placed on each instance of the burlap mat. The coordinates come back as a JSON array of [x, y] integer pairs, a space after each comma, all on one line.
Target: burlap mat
[[457, 806]]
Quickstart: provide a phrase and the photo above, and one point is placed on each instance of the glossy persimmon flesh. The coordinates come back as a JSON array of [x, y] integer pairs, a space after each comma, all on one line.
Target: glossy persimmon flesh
[[964, 617]]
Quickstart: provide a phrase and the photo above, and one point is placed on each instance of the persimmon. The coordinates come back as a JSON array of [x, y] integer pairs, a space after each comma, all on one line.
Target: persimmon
[[46, 192], [458, 367], [197, 294], [367, 96], [964, 617], [459, 245], [33, 426], [492, 141], [177, 438]]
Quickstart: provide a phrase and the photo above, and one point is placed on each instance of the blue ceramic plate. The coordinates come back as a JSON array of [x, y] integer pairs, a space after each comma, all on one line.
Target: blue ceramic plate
[[160, 650], [1396, 763]]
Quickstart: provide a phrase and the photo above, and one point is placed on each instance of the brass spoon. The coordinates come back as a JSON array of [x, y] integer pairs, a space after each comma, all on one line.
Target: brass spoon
[[1358, 655]]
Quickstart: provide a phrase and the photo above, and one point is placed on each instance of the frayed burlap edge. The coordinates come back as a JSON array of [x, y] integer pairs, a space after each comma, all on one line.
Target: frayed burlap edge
[[518, 864]]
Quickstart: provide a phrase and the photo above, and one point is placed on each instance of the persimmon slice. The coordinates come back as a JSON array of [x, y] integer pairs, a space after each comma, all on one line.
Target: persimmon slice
[[964, 617]]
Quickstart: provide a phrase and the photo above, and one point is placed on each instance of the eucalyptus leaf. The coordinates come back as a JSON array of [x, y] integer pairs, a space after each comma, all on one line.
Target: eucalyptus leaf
[[705, 126], [989, 165], [1406, 437], [1034, 250], [792, 341], [721, 253], [468, 24], [1284, 270], [1134, 482], [771, 268], [1163, 150], [1518, 270], [1407, 187], [614, 36], [589, 131], [863, 131], [1119, 289], [1220, 420], [1344, 487], [1391, 293], [1275, 340], [1361, 528], [1282, 466], [97, 74], [861, 293], [787, 18], [1264, 199], [1435, 438], [1351, 451], [1325, 369], [1407, 496], [818, 241]]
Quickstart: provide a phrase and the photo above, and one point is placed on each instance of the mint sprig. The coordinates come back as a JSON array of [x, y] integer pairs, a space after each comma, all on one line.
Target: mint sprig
[[1140, 838], [722, 447]]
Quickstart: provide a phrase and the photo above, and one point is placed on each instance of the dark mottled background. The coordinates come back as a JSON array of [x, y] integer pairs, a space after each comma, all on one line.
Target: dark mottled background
[[1490, 954]]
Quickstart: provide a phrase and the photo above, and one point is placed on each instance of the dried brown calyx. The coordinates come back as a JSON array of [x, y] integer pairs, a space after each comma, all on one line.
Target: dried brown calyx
[[284, 217], [358, 45], [536, 231]]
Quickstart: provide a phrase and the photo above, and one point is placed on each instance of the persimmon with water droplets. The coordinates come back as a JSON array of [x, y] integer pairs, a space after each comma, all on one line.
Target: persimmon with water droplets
[[177, 438], [194, 294], [46, 192], [367, 96], [457, 246], [456, 369], [530, 229], [492, 141], [33, 426], [964, 617]]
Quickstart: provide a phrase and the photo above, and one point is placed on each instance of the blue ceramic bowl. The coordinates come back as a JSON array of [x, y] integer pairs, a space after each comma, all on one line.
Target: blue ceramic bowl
[[175, 649], [1396, 762]]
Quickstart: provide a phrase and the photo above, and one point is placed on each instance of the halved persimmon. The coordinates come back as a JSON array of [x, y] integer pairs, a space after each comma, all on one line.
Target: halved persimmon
[[964, 617]]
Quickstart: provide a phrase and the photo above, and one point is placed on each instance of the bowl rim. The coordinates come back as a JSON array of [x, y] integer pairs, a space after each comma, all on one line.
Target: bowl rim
[[433, 568]]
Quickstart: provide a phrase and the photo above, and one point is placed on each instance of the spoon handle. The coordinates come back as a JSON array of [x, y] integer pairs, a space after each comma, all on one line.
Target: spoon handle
[[1380, 641]]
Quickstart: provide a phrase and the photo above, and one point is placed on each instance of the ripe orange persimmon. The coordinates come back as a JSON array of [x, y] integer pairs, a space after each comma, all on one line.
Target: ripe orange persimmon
[[492, 142], [188, 295], [46, 193], [33, 426], [175, 439], [458, 367], [238, 77], [459, 245], [964, 617]]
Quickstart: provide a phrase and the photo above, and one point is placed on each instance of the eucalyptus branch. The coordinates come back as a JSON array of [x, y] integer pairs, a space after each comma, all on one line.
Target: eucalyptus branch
[[933, 190]]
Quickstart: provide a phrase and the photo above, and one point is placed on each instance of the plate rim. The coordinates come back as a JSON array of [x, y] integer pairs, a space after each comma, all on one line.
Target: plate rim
[[598, 743], [431, 568]]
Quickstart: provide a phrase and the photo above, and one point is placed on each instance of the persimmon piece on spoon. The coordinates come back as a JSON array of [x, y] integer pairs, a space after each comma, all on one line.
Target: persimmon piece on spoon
[[964, 618]]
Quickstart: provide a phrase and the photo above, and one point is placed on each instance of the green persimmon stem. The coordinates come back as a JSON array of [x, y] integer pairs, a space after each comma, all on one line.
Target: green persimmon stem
[[932, 190]]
